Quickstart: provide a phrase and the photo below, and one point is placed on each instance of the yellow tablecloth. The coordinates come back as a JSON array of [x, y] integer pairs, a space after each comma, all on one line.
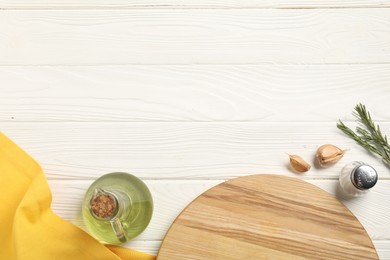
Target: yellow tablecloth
[[28, 227]]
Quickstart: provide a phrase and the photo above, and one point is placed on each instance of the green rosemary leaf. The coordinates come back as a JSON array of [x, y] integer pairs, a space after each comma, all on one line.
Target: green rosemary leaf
[[368, 135]]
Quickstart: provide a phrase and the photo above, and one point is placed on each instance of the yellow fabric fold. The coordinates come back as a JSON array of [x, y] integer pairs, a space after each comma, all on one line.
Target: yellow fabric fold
[[28, 227]]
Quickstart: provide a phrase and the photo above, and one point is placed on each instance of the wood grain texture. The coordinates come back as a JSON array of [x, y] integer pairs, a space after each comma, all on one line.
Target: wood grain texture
[[79, 4], [253, 80], [172, 196], [382, 247], [183, 150], [261, 93], [266, 216], [195, 36]]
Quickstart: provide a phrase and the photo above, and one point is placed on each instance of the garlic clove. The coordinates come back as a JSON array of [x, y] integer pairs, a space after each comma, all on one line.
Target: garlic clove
[[298, 164], [329, 154]]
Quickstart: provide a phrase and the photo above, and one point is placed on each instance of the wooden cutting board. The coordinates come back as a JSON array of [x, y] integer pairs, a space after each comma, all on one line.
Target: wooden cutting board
[[266, 217]]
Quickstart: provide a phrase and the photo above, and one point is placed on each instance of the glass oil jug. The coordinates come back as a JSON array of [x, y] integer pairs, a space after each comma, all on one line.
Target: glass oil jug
[[117, 207]]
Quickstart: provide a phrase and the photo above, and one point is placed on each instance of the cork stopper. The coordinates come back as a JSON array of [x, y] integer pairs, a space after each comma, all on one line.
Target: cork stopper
[[103, 204]]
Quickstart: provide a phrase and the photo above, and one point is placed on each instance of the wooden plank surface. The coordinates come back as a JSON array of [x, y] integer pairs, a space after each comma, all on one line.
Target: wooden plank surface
[[172, 196], [381, 246], [187, 94], [155, 4], [182, 150], [245, 36], [265, 93]]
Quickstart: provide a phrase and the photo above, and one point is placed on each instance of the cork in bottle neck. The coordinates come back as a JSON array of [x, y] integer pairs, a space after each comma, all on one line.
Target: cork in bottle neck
[[103, 204]]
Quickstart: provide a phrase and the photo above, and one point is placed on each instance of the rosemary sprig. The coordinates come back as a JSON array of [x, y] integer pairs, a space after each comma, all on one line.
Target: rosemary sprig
[[367, 134]]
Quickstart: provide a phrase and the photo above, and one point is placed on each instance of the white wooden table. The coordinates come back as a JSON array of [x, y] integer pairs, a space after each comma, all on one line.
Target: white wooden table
[[187, 94]]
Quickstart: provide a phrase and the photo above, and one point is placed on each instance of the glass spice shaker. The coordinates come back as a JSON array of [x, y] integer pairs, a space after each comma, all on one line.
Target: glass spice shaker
[[356, 178], [117, 207]]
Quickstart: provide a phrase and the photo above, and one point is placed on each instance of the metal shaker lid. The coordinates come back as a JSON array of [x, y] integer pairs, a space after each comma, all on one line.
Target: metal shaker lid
[[364, 177]]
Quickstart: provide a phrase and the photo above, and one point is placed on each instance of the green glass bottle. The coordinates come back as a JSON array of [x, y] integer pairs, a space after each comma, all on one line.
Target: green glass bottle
[[117, 207]]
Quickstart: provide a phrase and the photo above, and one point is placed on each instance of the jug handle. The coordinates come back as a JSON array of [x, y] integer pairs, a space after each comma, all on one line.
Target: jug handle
[[117, 226]]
